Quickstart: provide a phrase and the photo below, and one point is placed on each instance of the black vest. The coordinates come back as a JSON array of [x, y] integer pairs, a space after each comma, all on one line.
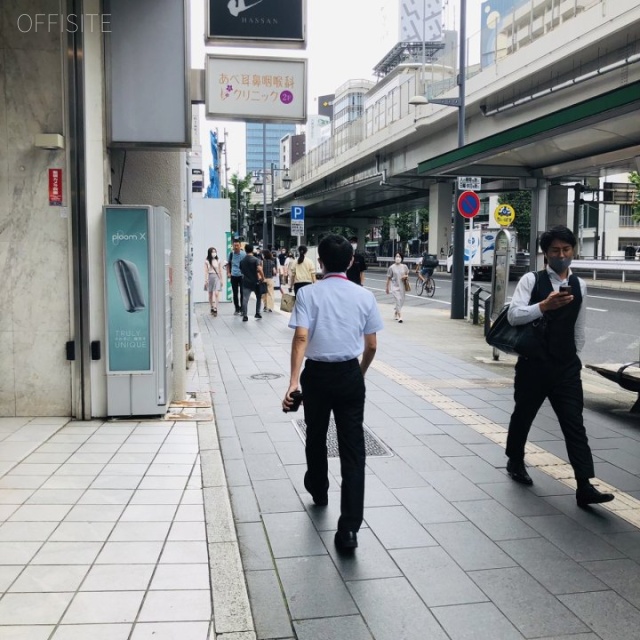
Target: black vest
[[560, 340]]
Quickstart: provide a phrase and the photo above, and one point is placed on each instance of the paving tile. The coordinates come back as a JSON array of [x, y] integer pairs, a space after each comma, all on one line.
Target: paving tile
[[313, 588], [189, 513], [267, 466], [622, 576], [462, 622], [552, 568], [180, 576], [163, 482], [55, 496], [118, 577], [103, 607], [27, 632], [244, 504], [277, 496], [268, 605], [50, 579], [444, 445], [426, 505], [139, 531], [67, 553], [373, 560], [606, 613], [7, 510], [574, 540], [40, 513], [254, 546], [148, 513], [518, 499], [92, 631], [421, 458], [18, 552], [8, 573], [170, 631], [619, 478], [351, 627], [292, 534], [469, 547], [22, 482], [166, 606], [395, 473], [26, 531], [452, 485], [395, 527], [106, 496], [95, 513], [33, 608], [494, 520], [189, 531], [157, 496], [181, 552], [105, 481], [628, 543], [437, 579], [68, 482], [15, 496], [393, 610], [477, 470], [528, 606], [142, 552]]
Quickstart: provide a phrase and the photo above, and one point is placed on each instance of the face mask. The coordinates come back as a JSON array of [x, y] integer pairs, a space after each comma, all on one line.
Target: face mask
[[214, 254], [398, 260], [559, 265]]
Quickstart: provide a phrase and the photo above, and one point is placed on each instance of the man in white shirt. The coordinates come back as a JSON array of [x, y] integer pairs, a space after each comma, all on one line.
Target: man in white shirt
[[335, 322], [557, 295]]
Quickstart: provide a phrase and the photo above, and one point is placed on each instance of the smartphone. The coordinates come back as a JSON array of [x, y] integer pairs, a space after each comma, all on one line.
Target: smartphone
[[565, 288], [296, 396]]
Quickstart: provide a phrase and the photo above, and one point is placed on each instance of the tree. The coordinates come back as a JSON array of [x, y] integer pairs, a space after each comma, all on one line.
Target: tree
[[521, 203], [235, 194], [634, 179]]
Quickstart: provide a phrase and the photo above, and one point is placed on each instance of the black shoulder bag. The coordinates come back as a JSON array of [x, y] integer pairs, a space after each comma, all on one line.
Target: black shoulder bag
[[526, 340]]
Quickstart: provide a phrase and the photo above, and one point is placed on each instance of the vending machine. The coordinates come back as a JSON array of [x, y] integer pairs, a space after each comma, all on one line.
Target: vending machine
[[137, 267]]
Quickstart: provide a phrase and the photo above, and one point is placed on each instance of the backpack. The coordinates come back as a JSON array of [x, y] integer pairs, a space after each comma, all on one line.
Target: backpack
[[430, 260]]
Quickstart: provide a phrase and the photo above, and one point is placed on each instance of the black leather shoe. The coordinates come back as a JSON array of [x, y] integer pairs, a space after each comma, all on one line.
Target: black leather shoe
[[518, 472], [590, 495], [346, 540], [258, 316], [320, 499]]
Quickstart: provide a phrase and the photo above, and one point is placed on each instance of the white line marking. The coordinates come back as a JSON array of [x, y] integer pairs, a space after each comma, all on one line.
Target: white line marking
[[594, 309]]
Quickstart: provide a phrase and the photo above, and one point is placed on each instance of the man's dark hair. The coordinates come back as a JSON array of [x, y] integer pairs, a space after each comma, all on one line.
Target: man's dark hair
[[559, 232], [248, 248], [353, 239], [335, 253]]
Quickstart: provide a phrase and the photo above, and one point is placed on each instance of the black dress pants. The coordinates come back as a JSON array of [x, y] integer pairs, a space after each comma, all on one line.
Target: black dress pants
[[337, 387], [560, 382], [236, 288]]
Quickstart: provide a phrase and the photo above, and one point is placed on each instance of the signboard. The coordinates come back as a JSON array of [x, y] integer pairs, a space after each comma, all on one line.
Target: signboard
[[468, 204], [256, 23], [297, 220], [126, 258], [504, 214], [469, 183], [255, 88], [55, 187]]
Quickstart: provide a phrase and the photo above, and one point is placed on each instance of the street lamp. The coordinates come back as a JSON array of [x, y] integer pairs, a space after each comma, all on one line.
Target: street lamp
[[259, 186]]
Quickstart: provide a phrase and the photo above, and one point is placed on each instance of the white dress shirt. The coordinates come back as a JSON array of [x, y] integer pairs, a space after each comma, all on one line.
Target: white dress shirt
[[521, 312]]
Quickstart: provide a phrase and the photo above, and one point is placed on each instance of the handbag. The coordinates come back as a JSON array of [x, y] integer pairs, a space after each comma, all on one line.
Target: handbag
[[526, 340], [407, 284], [262, 288], [287, 302]]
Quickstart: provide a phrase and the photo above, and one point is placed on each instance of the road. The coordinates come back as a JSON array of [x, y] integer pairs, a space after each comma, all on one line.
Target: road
[[613, 318]]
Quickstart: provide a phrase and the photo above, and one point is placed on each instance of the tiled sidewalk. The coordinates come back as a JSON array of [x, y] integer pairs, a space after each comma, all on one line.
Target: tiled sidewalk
[[103, 533]]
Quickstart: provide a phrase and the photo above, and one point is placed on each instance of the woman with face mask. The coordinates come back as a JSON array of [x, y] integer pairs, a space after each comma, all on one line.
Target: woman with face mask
[[397, 274], [213, 278]]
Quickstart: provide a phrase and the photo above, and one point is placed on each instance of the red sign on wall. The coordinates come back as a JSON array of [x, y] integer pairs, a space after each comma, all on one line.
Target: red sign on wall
[[55, 187]]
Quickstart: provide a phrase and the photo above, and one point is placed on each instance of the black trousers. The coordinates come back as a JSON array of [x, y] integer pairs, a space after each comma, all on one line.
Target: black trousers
[[560, 382], [337, 387], [236, 288]]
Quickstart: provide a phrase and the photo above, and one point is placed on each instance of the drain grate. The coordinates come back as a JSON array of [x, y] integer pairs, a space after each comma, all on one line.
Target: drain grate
[[266, 376], [372, 445]]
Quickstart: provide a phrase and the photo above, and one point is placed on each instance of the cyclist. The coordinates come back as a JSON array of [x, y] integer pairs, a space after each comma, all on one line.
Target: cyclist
[[426, 265]]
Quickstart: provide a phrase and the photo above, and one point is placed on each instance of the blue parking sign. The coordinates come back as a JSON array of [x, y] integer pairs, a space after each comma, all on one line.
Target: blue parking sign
[[297, 213]]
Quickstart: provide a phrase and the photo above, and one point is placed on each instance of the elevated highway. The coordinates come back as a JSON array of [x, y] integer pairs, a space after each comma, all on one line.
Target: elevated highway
[[561, 104]]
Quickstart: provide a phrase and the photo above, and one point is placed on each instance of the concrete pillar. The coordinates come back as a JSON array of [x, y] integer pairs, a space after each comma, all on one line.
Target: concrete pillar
[[539, 210], [440, 207]]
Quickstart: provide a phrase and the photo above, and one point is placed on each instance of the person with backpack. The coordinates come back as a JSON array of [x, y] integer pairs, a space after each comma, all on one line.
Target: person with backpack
[[235, 275], [426, 266]]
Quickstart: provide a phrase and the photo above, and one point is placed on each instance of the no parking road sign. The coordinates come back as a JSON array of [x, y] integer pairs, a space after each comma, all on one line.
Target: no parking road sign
[[468, 204]]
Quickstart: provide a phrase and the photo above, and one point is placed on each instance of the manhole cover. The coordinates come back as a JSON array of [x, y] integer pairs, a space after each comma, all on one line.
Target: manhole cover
[[266, 376], [372, 446]]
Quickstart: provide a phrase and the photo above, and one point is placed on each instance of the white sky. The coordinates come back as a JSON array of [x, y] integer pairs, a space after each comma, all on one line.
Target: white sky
[[345, 40]]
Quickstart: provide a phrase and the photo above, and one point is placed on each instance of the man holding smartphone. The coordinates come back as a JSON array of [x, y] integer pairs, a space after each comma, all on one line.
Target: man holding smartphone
[[556, 298], [335, 322]]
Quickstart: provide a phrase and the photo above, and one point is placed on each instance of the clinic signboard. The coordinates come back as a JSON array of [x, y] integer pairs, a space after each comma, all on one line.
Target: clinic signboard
[[256, 23], [256, 88], [126, 255]]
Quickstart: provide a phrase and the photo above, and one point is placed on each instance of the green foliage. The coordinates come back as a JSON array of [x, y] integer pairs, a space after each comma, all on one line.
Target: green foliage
[[234, 193], [521, 203], [634, 179]]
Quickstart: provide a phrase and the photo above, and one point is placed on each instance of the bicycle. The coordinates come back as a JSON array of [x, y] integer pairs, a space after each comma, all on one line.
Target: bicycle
[[427, 285]]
